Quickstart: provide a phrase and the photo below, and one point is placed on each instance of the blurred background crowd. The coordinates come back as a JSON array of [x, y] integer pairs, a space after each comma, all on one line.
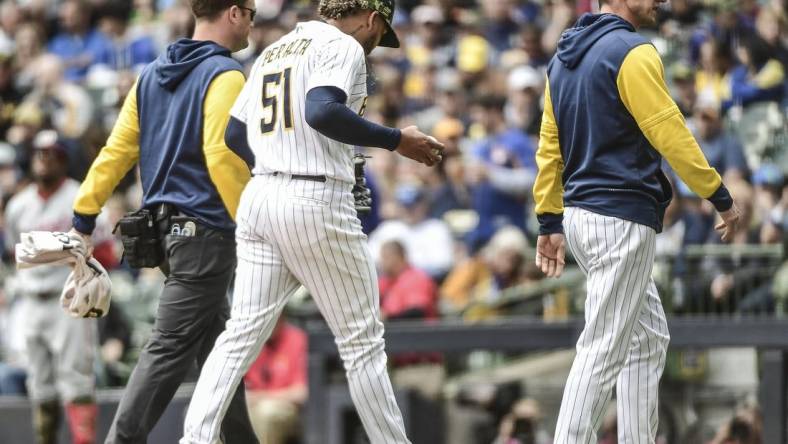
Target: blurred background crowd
[[452, 241]]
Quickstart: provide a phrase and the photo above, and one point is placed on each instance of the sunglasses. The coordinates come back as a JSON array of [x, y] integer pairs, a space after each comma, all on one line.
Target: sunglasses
[[252, 12]]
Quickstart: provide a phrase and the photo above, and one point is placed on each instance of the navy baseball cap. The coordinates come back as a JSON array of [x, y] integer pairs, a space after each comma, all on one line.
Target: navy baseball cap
[[386, 10]]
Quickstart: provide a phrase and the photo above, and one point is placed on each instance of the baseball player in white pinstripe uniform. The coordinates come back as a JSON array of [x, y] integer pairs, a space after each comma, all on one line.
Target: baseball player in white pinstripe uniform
[[300, 114], [608, 122]]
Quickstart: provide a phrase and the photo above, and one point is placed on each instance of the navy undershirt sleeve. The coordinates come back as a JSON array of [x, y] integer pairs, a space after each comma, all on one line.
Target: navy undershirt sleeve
[[327, 113], [235, 138]]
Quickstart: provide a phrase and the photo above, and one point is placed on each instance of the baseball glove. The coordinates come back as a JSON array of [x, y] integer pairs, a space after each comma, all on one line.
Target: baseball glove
[[362, 196]]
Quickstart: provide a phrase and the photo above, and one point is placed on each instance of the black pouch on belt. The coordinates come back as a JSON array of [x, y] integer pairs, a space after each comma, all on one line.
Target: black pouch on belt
[[140, 236]]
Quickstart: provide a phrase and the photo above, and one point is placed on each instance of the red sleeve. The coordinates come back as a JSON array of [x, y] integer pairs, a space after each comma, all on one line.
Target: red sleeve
[[384, 284], [253, 378]]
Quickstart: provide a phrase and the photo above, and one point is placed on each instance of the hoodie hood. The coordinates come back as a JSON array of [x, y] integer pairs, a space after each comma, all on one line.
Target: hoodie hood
[[576, 41], [181, 57]]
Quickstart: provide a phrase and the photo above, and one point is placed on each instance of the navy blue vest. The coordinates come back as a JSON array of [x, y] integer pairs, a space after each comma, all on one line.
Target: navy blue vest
[[170, 96], [610, 168]]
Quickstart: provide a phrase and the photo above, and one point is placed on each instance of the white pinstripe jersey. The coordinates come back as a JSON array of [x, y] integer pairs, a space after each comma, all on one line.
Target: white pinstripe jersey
[[273, 99]]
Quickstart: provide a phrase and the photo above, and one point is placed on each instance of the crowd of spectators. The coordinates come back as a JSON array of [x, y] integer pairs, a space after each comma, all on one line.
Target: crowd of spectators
[[447, 239]]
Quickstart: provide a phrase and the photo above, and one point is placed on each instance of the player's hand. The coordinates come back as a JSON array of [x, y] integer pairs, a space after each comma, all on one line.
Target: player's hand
[[86, 240], [729, 224], [550, 252], [420, 147]]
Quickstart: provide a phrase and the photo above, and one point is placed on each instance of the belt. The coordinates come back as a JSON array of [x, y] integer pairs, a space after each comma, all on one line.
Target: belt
[[320, 178]]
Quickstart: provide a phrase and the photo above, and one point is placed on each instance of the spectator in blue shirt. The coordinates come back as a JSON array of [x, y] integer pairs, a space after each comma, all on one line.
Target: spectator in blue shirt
[[77, 44], [122, 51], [501, 171], [721, 148], [759, 78]]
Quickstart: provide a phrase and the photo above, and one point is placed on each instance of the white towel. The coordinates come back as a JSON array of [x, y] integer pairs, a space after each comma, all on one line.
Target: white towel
[[87, 290], [51, 248]]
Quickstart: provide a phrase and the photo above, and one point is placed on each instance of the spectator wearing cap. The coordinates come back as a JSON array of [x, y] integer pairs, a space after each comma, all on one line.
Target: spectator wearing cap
[[428, 241], [523, 110], [77, 43], [474, 54], [722, 149], [123, 51], [501, 171], [683, 88], [427, 45]]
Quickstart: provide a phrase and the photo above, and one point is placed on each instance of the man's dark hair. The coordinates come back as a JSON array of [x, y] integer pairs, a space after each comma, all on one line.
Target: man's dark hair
[[210, 9], [119, 10]]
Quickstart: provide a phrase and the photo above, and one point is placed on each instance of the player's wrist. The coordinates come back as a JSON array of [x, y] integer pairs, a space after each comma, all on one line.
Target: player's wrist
[[721, 199], [396, 138], [84, 223], [550, 223]]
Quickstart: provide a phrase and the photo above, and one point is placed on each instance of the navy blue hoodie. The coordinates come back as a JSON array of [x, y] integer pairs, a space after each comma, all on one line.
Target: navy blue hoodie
[[170, 96], [610, 167]]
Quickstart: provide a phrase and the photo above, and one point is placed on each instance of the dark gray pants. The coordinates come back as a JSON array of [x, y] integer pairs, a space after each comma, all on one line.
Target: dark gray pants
[[192, 311]]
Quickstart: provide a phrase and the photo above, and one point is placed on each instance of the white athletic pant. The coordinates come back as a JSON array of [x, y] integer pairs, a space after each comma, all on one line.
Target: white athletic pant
[[625, 338], [291, 232]]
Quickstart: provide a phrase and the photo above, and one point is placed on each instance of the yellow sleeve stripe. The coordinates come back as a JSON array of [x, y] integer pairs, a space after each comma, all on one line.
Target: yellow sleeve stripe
[[113, 161], [642, 88], [771, 75], [228, 172], [548, 186]]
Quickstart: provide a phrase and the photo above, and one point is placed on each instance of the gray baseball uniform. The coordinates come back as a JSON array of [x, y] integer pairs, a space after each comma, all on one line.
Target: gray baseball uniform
[[60, 348]]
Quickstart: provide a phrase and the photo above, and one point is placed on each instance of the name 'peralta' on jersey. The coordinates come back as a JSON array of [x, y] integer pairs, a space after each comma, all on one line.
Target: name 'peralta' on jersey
[[272, 102]]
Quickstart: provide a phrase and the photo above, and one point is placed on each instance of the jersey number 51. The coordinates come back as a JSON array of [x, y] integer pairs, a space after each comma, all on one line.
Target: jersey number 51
[[271, 100]]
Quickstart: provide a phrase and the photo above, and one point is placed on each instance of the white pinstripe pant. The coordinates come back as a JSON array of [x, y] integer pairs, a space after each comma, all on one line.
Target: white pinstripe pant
[[625, 338], [290, 232]]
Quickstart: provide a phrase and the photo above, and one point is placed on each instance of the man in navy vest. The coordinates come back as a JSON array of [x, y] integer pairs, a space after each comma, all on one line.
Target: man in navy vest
[[608, 121], [173, 122]]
